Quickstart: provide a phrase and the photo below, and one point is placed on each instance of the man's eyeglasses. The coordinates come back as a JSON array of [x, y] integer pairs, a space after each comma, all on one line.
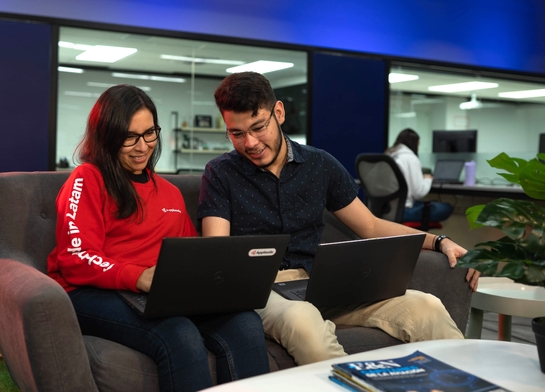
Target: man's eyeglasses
[[149, 136], [258, 131]]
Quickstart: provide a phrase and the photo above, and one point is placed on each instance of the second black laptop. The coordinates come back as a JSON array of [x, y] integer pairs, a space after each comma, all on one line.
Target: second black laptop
[[357, 271]]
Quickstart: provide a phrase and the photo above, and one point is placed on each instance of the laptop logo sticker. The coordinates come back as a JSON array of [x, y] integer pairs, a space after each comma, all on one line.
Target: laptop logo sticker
[[218, 277], [262, 252]]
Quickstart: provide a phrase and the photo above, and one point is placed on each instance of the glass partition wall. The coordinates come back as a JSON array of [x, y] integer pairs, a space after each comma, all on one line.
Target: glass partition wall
[[507, 111], [180, 75]]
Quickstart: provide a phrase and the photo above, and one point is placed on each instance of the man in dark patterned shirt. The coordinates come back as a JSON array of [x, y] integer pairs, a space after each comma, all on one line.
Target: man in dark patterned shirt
[[271, 184]]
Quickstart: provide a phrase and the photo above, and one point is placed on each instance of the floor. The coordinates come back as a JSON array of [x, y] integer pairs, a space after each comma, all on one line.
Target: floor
[[521, 329]]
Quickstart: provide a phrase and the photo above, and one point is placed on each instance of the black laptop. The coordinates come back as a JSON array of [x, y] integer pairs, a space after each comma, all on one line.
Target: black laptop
[[357, 271], [447, 171], [204, 275]]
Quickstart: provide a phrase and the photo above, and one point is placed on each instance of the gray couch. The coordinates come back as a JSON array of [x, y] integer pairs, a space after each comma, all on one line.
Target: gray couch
[[39, 334]]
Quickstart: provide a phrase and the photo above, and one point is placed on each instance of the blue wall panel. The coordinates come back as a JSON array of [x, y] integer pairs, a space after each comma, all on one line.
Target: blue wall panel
[[24, 95], [503, 34], [349, 98]]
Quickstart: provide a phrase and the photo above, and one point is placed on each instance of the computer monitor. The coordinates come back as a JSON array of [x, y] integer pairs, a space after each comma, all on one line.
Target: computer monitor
[[455, 141]]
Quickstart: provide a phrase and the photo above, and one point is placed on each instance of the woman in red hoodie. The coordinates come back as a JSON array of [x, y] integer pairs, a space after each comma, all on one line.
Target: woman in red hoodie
[[112, 214]]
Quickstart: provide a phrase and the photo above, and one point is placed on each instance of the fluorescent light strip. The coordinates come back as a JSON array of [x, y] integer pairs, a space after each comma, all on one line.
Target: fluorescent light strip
[[148, 77], [101, 85], [261, 66], [471, 105], [405, 115], [105, 54], [467, 86], [398, 77], [83, 94], [70, 70], [200, 60], [523, 94], [71, 45]]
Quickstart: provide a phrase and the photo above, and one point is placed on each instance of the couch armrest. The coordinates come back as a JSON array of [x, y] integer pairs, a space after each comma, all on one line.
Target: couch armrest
[[40, 338], [434, 275]]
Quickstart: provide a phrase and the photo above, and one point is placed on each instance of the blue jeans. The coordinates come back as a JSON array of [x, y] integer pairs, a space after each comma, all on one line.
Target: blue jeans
[[439, 211], [178, 345]]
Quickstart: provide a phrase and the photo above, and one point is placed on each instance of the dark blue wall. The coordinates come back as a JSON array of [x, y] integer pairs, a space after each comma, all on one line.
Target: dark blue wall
[[349, 106], [24, 95], [503, 34]]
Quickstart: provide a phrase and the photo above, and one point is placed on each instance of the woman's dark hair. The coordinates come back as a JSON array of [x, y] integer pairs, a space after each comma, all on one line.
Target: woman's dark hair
[[107, 129], [409, 138], [243, 92]]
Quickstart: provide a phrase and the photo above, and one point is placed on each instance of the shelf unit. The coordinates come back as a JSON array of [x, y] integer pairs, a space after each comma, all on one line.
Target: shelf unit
[[192, 145]]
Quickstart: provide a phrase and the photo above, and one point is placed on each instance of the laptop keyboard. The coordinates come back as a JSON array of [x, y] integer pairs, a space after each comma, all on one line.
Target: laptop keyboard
[[301, 293], [141, 299]]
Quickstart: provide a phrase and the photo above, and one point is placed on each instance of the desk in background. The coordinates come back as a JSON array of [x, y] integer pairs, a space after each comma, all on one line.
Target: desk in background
[[493, 191]]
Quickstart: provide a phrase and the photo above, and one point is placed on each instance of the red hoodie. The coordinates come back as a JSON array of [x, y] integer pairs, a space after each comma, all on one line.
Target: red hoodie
[[94, 248]]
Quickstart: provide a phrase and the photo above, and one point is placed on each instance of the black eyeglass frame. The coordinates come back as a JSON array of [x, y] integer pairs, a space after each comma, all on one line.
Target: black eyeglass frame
[[251, 132], [156, 129]]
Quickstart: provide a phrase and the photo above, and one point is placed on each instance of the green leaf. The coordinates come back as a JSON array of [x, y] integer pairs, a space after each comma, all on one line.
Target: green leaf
[[520, 254], [535, 275], [510, 165], [532, 179], [472, 213], [514, 269]]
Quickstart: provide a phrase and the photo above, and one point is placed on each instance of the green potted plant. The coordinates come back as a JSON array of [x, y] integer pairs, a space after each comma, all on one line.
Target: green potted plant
[[520, 254]]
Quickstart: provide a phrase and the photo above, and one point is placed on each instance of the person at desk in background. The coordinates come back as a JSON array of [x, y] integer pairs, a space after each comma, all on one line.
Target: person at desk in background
[[405, 153], [112, 213], [271, 184]]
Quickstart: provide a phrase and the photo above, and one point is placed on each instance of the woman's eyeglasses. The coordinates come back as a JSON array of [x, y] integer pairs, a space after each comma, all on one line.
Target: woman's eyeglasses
[[149, 136]]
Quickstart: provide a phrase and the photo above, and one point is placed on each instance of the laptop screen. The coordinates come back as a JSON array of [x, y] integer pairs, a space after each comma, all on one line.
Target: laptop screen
[[448, 170]]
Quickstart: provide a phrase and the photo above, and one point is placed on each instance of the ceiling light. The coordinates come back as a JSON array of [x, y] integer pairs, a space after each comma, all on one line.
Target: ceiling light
[[105, 54], [82, 94], [523, 94], [405, 115], [261, 66], [71, 45], [398, 77], [70, 70], [467, 86], [100, 85], [148, 77], [474, 103], [201, 60]]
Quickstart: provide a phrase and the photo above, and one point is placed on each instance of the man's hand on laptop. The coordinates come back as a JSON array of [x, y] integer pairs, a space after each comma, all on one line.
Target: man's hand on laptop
[[452, 250], [144, 281]]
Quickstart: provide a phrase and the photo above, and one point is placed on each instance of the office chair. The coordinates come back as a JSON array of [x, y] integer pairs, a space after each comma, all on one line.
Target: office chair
[[385, 190]]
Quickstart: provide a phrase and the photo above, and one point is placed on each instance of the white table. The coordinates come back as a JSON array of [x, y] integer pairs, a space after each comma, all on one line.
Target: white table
[[503, 296], [510, 365]]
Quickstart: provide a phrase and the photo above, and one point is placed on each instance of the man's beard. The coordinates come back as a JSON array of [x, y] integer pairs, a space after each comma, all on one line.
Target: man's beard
[[278, 146]]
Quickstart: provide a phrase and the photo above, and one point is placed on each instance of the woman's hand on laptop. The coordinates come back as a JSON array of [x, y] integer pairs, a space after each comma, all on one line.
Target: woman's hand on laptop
[[144, 280]]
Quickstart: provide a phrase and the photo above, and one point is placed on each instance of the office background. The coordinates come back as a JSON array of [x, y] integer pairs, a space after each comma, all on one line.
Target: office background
[[350, 103]]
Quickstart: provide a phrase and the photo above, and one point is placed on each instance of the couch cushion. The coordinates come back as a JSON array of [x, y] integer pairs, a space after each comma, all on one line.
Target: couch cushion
[[28, 210], [117, 368]]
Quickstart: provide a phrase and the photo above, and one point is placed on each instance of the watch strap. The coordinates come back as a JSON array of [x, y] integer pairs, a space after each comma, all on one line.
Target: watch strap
[[437, 243]]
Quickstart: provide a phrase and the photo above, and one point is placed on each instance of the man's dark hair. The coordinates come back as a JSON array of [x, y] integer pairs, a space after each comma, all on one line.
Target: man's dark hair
[[244, 92], [107, 129]]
